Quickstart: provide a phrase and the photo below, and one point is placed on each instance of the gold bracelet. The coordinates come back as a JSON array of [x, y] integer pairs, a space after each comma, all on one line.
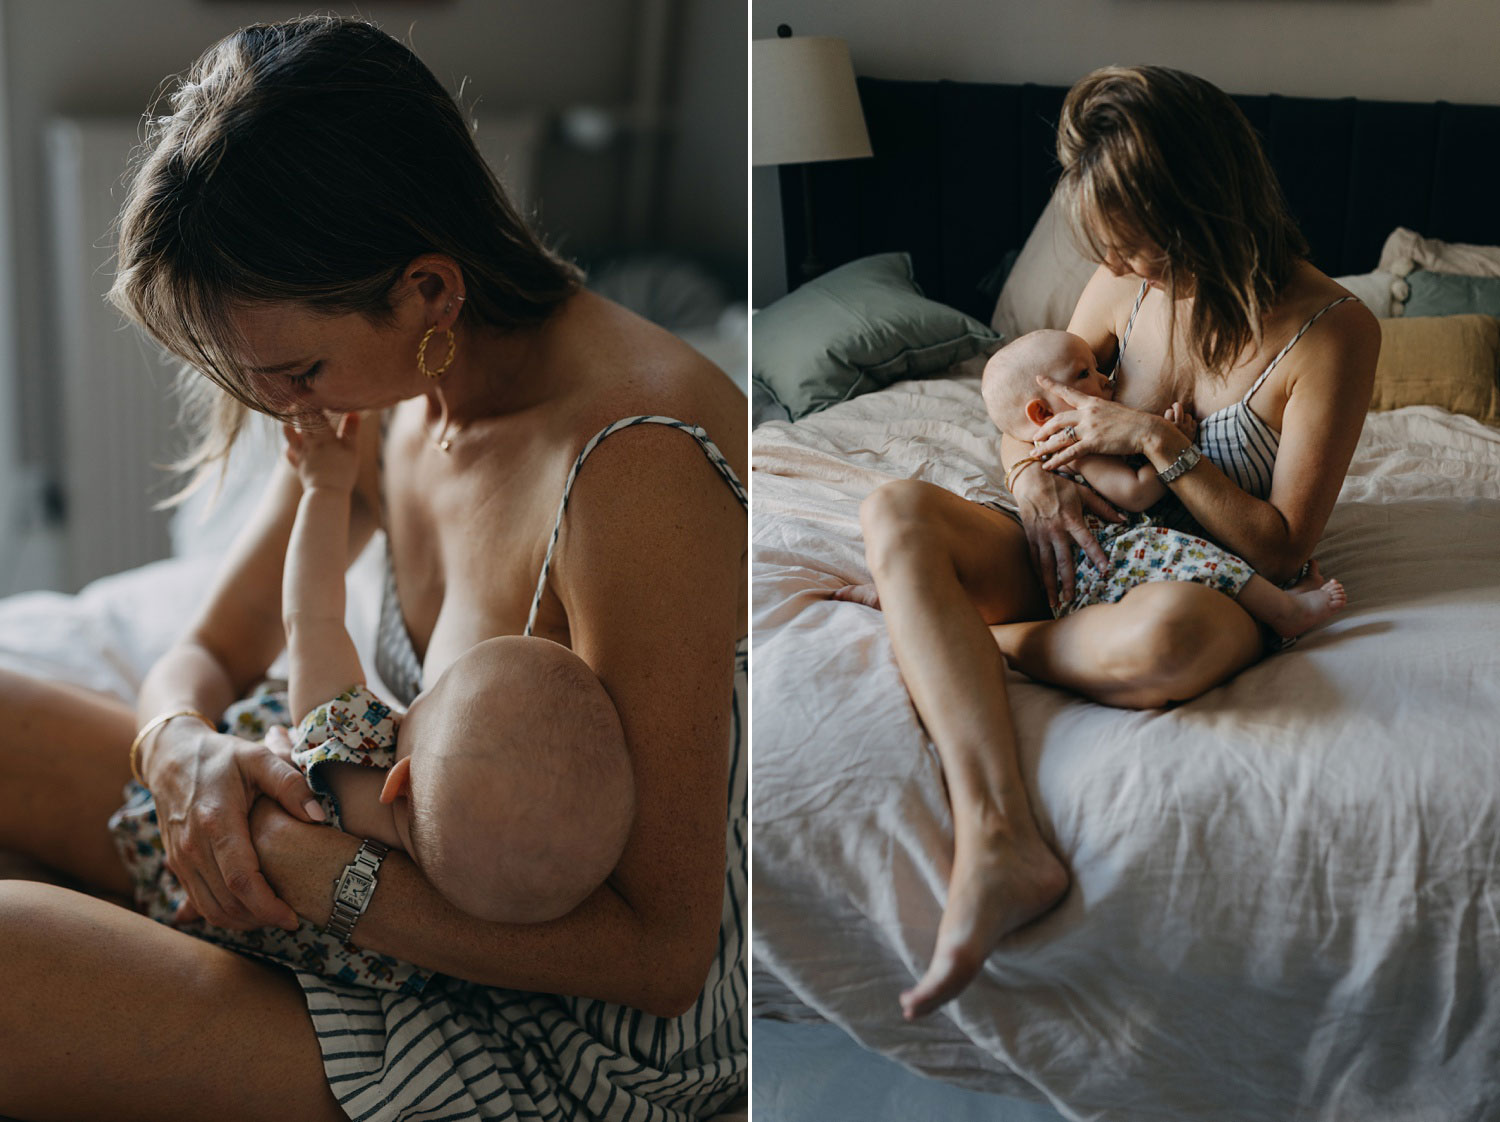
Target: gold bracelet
[[151, 726], [1018, 467]]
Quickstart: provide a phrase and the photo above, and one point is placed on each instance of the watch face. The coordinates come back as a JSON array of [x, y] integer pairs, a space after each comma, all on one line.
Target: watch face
[[353, 889]]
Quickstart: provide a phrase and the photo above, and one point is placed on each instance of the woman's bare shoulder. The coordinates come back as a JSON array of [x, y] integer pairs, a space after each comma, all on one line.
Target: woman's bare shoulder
[[630, 367], [1339, 352]]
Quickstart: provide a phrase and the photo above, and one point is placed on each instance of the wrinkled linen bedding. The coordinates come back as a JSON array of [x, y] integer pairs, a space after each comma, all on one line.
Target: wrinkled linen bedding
[[107, 636], [1286, 893]]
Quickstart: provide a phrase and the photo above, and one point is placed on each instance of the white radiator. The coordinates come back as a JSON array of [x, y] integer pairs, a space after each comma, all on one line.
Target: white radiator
[[113, 388]]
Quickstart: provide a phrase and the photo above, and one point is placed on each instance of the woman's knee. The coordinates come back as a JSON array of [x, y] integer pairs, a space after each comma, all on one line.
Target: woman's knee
[[897, 517], [1178, 641]]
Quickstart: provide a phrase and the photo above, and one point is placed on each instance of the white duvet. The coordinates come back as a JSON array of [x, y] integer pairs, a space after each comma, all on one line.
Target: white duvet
[[1286, 894]]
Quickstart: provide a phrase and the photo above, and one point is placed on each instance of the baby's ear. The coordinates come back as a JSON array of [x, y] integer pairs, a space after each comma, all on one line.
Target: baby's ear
[[1038, 412], [397, 781]]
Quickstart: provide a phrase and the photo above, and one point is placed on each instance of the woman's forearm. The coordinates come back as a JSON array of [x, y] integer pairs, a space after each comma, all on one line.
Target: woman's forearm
[[1234, 518], [603, 949], [188, 676]]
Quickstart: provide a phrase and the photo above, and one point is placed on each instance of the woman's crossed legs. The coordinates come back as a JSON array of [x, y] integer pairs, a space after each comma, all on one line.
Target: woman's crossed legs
[[108, 1014], [956, 584]]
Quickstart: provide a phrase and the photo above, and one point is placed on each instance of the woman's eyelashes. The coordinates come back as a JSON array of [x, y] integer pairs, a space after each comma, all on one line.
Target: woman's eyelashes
[[301, 382]]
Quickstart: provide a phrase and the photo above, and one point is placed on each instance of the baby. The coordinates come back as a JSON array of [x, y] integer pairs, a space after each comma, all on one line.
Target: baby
[[507, 781], [1138, 551]]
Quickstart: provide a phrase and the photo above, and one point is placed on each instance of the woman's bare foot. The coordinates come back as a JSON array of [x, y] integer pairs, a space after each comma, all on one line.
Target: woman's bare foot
[[858, 594], [1302, 607], [994, 890]]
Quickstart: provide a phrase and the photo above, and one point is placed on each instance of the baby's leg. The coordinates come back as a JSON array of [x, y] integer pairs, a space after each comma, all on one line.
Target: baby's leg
[[1291, 611]]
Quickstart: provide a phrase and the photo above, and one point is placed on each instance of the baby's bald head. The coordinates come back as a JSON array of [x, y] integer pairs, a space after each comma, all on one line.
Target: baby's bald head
[[1010, 379], [521, 787]]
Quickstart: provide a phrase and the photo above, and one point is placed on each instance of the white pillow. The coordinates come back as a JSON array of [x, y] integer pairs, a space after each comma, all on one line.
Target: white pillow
[[1048, 278], [1406, 250]]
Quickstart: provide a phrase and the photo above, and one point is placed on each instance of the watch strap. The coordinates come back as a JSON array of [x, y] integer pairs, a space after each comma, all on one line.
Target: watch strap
[[1185, 462], [362, 875]]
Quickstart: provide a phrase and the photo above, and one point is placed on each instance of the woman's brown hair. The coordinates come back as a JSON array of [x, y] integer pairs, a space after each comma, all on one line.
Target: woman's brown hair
[[1156, 156], [309, 161]]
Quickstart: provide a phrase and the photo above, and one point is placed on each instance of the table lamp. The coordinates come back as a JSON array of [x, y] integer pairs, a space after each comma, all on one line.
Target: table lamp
[[805, 109]]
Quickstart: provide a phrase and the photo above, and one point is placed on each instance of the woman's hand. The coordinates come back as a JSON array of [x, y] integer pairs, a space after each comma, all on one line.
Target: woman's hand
[[204, 783], [1095, 426], [1052, 512]]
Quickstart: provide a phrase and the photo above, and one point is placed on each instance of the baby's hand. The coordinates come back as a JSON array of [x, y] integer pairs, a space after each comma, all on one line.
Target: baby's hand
[[1186, 423], [326, 456]]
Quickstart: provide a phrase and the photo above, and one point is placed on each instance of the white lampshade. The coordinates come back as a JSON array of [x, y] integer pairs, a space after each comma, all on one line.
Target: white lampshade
[[805, 103]]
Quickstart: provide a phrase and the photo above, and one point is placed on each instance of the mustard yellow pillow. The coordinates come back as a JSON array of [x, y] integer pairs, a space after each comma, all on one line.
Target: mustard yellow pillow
[[1447, 361]]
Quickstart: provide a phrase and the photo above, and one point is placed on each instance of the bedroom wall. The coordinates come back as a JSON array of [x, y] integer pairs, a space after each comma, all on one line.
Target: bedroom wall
[[1405, 50], [92, 58]]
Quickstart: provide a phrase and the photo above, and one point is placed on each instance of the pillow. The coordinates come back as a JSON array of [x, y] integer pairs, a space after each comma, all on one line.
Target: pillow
[[857, 328], [1443, 294], [1044, 285], [1406, 250], [1447, 361]]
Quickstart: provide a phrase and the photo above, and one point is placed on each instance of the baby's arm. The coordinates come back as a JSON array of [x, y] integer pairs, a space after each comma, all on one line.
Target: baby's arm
[[1127, 487], [357, 789], [1123, 485], [323, 660]]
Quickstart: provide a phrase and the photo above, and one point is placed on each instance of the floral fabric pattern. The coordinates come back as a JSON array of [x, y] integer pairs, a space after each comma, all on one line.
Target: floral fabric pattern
[[1142, 551]]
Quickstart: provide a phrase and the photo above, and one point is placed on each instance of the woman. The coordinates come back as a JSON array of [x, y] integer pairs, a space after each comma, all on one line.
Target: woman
[[314, 232], [1202, 291]]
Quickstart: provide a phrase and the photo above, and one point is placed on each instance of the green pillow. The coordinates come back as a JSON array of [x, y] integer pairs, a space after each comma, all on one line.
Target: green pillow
[[1449, 294], [857, 328]]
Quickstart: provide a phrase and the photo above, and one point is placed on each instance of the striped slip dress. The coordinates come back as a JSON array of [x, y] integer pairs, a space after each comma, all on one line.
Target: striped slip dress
[[465, 1051]]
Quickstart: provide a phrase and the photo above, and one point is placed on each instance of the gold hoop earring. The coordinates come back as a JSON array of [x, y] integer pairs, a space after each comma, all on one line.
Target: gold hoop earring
[[422, 353]]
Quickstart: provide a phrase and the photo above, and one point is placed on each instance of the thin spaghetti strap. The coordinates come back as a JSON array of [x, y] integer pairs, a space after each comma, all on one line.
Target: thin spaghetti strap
[[1266, 373], [1129, 326], [710, 450]]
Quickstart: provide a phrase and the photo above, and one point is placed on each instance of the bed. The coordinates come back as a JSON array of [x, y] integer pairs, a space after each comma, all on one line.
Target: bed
[[1285, 900]]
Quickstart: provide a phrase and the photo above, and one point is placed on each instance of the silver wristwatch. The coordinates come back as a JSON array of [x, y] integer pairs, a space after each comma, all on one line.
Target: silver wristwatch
[[1185, 462], [353, 889]]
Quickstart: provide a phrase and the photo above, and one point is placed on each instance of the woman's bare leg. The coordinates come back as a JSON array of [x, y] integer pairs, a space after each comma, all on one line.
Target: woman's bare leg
[[64, 759], [109, 1015], [943, 565], [1163, 642]]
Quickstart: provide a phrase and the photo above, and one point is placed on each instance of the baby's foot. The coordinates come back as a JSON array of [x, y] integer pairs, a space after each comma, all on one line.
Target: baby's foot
[[1309, 602], [994, 890], [865, 594]]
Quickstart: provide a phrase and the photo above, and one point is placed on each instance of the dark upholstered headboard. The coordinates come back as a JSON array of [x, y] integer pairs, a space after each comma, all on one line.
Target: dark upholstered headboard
[[962, 171]]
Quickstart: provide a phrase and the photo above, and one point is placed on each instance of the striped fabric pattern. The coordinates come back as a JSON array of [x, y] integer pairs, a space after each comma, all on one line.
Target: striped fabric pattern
[[1235, 439], [463, 1051]]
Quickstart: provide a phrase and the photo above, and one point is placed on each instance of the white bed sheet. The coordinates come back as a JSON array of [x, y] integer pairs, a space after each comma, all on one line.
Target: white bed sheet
[[107, 636], [1285, 900]]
